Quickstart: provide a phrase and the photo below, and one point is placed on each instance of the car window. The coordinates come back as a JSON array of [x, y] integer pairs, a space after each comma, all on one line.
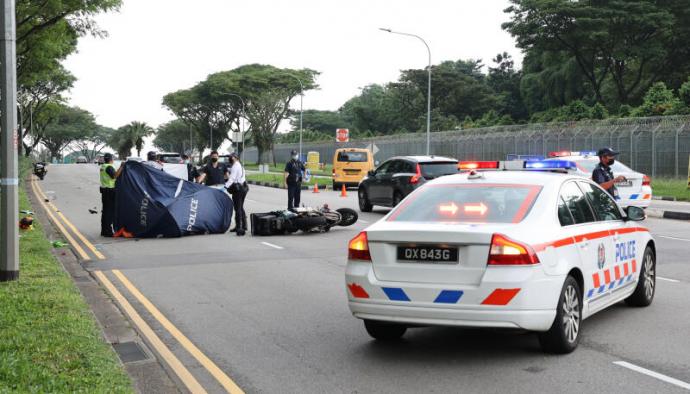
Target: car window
[[602, 203], [437, 169], [409, 167], [468, 203], [354, 157], [383, 168], [577, 203], [564, 215], [396, 167]]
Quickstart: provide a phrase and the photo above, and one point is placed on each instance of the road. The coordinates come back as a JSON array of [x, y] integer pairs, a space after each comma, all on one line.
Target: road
[[271, 313]]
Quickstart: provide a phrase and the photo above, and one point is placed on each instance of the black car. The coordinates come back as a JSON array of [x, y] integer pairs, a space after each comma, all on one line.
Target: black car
[[399, 176]]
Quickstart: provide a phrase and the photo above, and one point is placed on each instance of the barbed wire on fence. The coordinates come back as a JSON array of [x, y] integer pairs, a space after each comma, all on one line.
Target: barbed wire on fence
[[658, 146]]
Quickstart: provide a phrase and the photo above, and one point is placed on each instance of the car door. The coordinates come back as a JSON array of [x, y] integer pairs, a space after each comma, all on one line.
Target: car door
[[624, 256], [375, 187], [389, 181], [592, 240]]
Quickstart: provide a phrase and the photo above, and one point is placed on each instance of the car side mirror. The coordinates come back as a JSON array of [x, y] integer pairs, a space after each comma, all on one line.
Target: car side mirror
[[371, 173], [635, 213]]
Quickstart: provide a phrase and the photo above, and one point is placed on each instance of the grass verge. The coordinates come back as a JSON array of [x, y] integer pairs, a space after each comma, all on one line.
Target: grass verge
[[327, 170], [280, 180], [50, 339], [677, 188]]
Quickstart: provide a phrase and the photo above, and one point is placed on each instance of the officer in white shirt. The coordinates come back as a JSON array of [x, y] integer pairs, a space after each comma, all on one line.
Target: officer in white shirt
[[238, 188]]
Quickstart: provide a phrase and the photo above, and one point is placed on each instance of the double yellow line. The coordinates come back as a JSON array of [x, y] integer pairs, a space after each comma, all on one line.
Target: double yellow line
[[61, 221], [163, 351]]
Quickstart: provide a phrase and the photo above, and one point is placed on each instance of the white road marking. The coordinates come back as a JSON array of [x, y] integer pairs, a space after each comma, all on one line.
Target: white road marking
[[674, 238], [653, 374], [667, 279], [272, 246]]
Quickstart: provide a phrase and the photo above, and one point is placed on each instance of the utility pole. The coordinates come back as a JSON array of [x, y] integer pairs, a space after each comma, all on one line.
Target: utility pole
[[9, 179]]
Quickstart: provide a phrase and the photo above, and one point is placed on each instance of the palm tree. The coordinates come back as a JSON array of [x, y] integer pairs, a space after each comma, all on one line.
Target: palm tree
[[138, 131]]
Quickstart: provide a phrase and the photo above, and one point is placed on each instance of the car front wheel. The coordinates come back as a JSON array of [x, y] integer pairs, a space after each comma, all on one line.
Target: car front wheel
[[364, 204], [384, 331], [646, 285], [564, 334]]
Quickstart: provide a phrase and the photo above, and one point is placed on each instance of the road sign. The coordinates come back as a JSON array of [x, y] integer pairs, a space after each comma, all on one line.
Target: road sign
[[373, 148], [342, 135]]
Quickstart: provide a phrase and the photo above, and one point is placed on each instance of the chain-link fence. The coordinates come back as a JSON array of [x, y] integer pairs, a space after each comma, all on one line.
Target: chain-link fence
[[656, 146]]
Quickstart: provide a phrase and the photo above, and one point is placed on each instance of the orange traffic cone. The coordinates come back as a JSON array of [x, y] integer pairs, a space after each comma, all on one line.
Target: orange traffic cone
[[316, 188], [343, 191]]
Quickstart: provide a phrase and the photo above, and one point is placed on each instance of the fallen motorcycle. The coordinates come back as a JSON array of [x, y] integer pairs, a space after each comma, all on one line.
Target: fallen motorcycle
[[303, 219], [40, 170]]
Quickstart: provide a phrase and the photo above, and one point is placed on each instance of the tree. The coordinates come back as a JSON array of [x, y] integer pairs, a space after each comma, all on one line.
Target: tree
[[121, 141], [658, 101], [69, 125], [174, 136], [94, 144], [505, 82], [325, 122], [138, 131], [627, 44]]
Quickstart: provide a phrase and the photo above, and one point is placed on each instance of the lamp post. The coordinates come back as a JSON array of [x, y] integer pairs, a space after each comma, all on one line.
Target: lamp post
[[428, 93], [244, 115], [301, 97]]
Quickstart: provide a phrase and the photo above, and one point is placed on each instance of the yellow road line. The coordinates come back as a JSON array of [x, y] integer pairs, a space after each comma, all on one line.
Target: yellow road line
[[69, 224], [64, 232], [217, 373], [180, 370]]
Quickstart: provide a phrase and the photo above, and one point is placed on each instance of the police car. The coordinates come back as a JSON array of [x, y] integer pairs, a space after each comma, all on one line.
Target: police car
[[635, 190], [527, 249]]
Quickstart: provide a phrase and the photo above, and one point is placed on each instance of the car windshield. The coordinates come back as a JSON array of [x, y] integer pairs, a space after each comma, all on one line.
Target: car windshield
[[468, 203], [171, 159], [435, 170], [358, 157]]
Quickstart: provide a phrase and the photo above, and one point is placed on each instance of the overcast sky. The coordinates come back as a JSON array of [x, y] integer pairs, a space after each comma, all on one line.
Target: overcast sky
[[159, 46]]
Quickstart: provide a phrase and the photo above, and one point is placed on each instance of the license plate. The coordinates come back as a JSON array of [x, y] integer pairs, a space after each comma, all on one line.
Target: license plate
[[428, 254], [624, 184]]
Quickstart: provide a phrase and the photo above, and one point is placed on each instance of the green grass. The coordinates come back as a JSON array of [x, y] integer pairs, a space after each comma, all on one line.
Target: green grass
[[677, 188], [50, 340], [327, 170], [278, 178]]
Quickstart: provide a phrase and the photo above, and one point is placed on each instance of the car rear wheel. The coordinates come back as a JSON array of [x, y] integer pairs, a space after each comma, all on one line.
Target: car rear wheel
[[384, 331], [564, 334], [646, 286], [364, 204], [397, 197]]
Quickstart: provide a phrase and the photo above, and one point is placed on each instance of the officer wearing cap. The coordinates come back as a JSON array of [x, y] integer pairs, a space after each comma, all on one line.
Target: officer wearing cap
[[293, 179], [152, 160], [602, 173], [108, 176]]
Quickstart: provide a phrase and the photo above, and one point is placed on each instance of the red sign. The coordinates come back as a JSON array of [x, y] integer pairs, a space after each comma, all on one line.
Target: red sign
[[342, 135]]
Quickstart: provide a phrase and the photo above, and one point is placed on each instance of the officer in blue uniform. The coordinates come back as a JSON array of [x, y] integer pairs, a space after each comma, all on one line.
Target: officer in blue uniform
[[602, 173], [294, 170]]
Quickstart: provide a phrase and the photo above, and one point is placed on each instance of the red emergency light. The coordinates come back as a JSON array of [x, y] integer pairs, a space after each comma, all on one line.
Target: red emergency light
[[477, 165], [560, 153]]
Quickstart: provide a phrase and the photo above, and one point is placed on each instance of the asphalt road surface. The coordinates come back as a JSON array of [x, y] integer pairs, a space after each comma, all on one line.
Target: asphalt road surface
[[271, 313]]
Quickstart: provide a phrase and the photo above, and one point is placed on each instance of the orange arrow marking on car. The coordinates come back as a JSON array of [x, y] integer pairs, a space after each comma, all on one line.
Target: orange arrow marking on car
[[476, 208], [450, 208]]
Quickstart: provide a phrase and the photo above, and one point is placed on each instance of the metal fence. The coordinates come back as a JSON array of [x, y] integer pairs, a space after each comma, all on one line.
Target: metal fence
[[657, 146]]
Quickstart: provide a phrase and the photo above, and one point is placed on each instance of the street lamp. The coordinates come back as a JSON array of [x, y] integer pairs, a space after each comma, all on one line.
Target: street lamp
[[428, 94], [301, 97], [244, 115]]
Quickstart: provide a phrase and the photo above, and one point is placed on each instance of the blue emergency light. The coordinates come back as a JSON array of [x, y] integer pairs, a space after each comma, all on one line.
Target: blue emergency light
[[550, 165]]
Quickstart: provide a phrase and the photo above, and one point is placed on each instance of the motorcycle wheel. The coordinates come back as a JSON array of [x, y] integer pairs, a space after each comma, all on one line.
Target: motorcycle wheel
[[349, 217]]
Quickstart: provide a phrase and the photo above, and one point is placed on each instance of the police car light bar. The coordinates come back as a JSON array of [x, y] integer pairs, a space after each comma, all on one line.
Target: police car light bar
[[564, 153], [550, 165], [477, 165]]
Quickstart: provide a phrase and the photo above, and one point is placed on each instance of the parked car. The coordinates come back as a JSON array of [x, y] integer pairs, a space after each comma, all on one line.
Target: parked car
[[82, 160], [350, 166], [170, 157], [399, 176]]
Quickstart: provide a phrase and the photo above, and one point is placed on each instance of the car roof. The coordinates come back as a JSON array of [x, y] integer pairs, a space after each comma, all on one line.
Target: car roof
[[541, 178], [425, 159], [168, 154], [352, 150]]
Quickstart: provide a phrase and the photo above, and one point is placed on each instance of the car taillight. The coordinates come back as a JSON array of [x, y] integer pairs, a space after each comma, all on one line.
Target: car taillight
[[646, 181], [415, 177], [505, 251], [358, 248]]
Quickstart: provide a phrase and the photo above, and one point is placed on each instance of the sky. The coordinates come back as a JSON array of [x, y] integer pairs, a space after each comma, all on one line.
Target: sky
[[159, 46]]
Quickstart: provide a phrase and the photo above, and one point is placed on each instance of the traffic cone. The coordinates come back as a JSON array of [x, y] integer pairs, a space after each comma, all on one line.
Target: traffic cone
[[343, 191], [316, 188]]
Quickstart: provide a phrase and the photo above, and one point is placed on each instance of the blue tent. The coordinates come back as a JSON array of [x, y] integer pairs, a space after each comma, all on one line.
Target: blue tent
[[151, 203]]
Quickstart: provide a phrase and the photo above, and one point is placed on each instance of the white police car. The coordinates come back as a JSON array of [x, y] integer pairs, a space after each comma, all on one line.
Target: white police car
[[524, 249], [635, 190]]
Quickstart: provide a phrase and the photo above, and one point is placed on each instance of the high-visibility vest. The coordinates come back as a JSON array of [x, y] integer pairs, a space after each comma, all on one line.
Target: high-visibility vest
[[106, 181]]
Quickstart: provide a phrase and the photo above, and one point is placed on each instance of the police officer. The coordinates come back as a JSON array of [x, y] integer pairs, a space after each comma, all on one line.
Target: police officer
[[192, 173], [293, 179], [238, 188], [602, 173], [214, 173], [108, 176], [152, 160]]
